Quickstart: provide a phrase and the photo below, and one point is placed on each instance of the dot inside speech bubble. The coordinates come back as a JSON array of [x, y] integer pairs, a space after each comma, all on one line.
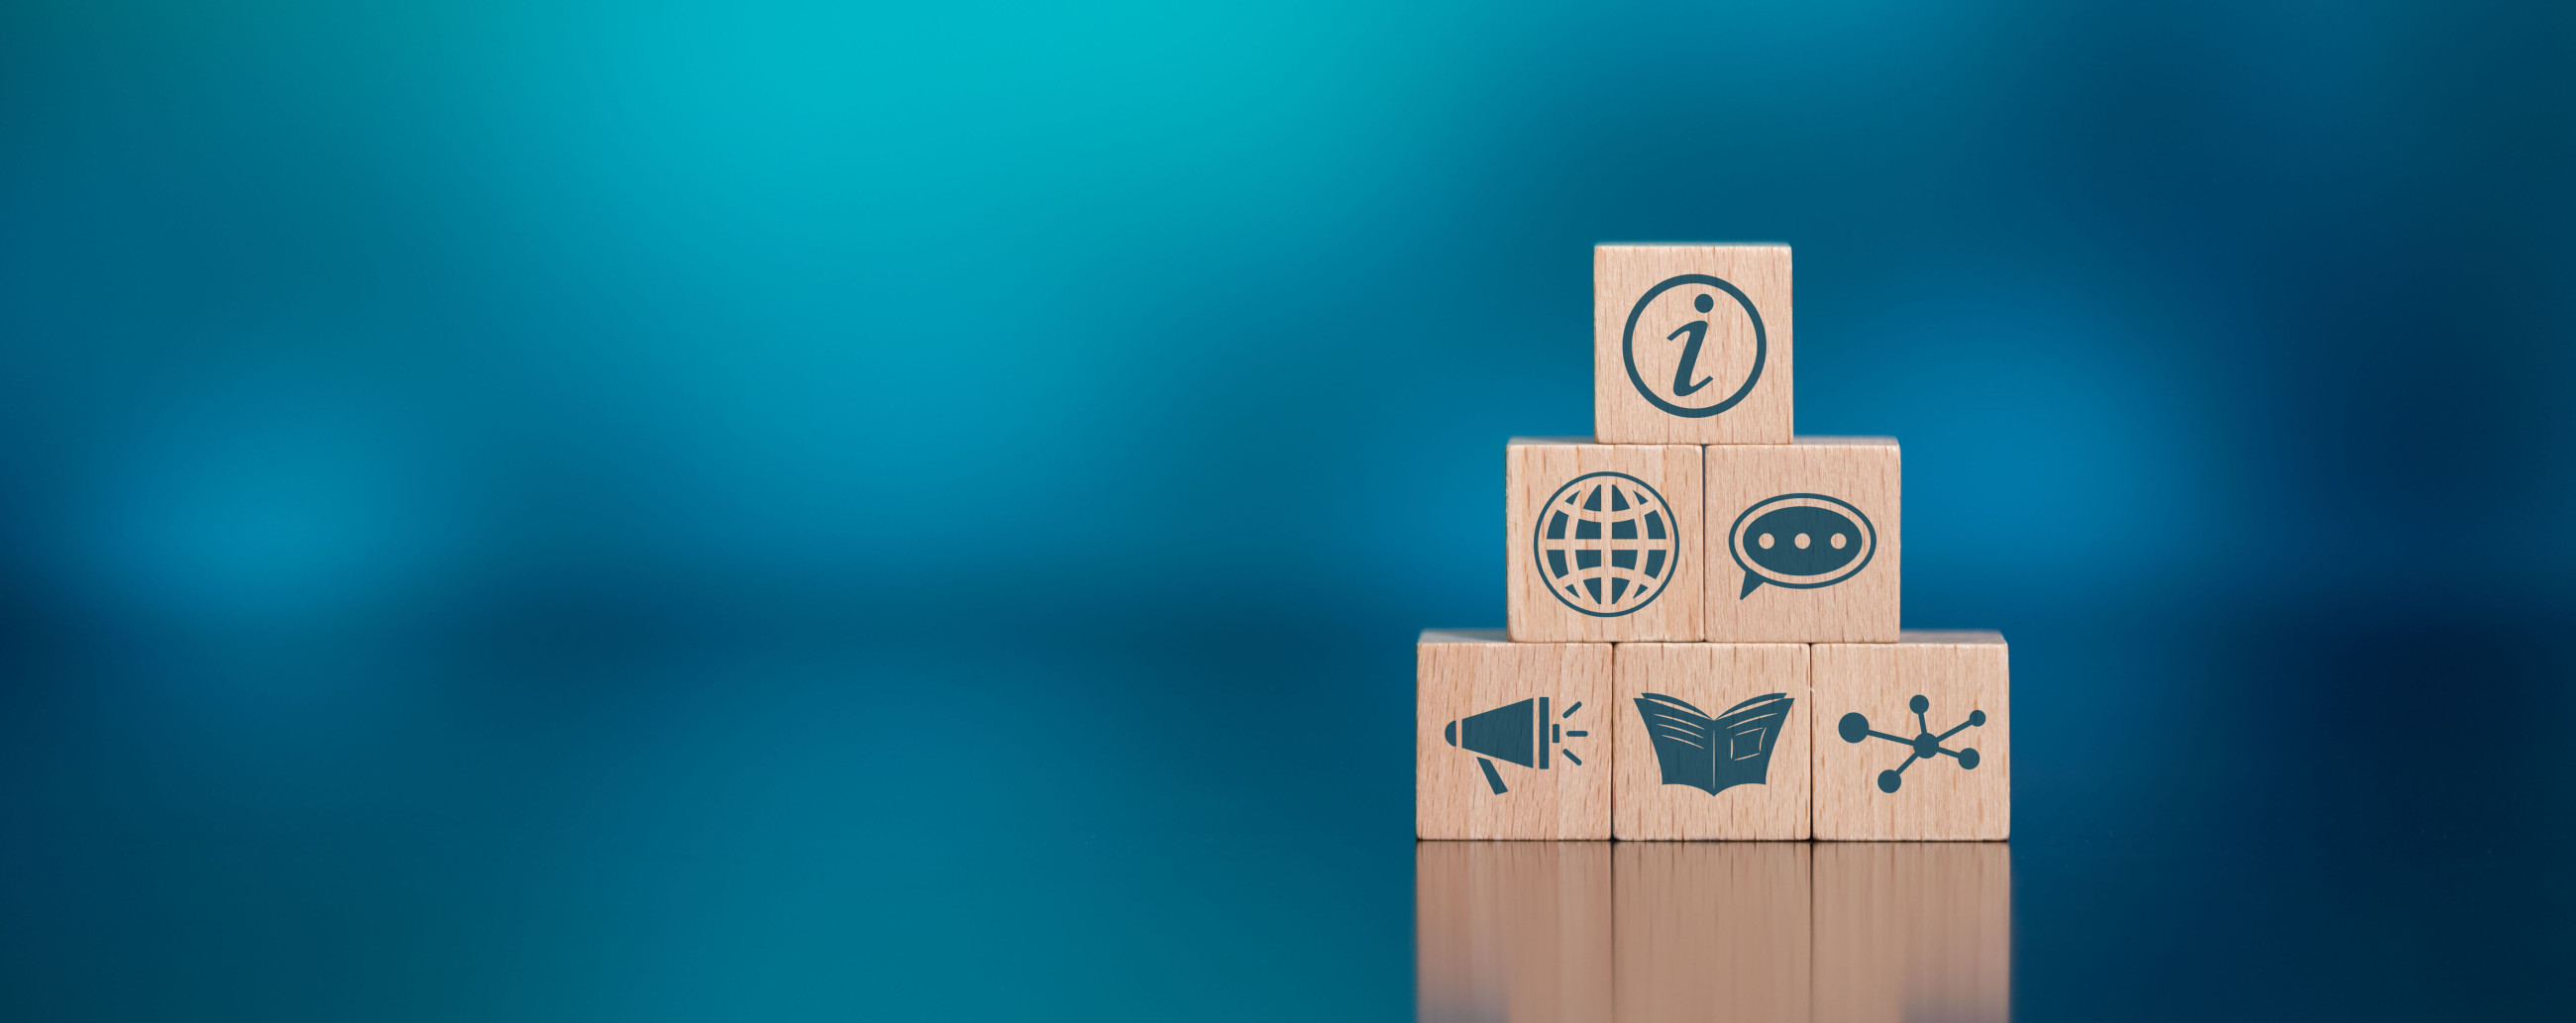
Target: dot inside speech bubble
[[1801, 541]]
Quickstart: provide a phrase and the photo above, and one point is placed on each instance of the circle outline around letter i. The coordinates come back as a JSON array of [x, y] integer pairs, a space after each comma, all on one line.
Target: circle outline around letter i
[[1628, 346]]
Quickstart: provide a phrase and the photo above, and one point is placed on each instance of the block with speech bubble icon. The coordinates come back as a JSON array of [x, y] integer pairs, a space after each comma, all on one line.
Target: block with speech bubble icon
[[1803, 541]]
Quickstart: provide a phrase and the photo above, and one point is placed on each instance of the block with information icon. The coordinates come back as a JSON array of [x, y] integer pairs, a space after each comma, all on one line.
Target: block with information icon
[[1690, 344]]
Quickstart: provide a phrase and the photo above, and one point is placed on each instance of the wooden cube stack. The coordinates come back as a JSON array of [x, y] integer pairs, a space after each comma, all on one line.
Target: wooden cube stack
[[1704, 637]]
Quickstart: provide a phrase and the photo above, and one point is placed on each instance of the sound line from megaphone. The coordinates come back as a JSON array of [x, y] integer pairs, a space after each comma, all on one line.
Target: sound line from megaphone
[[1521, 733]]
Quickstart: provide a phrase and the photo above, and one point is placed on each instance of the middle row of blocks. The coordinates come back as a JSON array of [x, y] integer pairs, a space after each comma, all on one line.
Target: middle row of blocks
[[1738, 543]]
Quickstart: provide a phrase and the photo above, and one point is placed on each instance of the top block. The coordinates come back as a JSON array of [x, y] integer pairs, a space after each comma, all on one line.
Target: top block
[[1690, 344]]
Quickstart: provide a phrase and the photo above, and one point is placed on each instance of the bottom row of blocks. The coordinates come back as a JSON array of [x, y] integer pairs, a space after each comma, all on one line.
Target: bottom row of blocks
[[1909, 740], [1578, 932]]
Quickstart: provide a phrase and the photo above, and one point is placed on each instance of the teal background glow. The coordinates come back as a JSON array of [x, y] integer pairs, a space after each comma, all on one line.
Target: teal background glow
[[781, 510]]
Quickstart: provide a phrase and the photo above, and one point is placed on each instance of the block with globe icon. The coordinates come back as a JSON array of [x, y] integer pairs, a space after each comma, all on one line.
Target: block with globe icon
[[1804, 541], [1711, 741], [1511, 740], [1912, 740], [1690, 344], [1602, 540]]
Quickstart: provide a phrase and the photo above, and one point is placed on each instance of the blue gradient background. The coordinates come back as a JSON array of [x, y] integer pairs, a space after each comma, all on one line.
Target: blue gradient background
[[534, 511]]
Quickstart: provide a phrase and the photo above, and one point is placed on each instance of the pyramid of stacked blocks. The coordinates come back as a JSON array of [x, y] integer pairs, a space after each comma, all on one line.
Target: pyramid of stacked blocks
[[1703, 636]]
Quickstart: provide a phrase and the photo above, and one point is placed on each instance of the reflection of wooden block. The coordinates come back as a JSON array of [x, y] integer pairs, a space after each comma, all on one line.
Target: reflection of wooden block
[[1724, 752], [1603, 540], [1511, 740], [1512, 931], [1803, 541], [1690, 344], [1932, 717], [1912, 930], [1711, 931]]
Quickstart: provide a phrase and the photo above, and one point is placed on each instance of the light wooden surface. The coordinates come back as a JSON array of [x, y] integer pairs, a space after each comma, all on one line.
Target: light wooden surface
[[1623, 412], [1913, 931], [1957, 674], [1747, 484], [1712, 678], [1460, 673], [1548, 476], [1512, 931], [1712, 931]]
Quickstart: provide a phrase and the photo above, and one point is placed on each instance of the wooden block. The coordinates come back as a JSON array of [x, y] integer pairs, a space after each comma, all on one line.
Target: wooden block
[[1512, 740], [1803, 541], [1710, 741], [1913, 740], [1913, 930], [1602, 540], [1512, 931], [1711, 931], [1690, 344]]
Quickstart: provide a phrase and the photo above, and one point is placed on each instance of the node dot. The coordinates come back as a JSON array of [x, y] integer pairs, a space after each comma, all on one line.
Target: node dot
[[1918, 704], [1765, 541], [1802, 541], [1840, 541], [1703, 303], [1968, 759], [1976, 717], [1889, 780]]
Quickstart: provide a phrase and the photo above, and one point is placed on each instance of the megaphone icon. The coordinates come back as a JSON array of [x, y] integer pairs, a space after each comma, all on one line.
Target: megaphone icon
[[1521, 733]]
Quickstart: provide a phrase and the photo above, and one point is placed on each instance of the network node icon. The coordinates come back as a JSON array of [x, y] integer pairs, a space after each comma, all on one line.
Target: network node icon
[[1925, 745]]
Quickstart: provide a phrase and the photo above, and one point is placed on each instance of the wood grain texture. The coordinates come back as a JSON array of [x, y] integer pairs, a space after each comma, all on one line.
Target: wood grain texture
[[1747, 484], [1713, 678], [1460, 673], [1512, 931], [1913, 931], [1711, 931], [1624, 409], [1957, 674], [1548, 476]]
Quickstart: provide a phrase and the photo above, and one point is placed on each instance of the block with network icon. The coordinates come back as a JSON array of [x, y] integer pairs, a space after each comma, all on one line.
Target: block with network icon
[[1711, 741], [1602, 540], [1912, 740], [1511, 740], [1690, 344], [1803, 541]]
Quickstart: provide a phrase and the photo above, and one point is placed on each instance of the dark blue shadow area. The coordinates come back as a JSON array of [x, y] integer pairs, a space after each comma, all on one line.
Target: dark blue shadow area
[[783, 510]]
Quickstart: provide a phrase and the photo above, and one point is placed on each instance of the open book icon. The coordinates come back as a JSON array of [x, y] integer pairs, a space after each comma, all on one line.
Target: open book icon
[[1714, 754]]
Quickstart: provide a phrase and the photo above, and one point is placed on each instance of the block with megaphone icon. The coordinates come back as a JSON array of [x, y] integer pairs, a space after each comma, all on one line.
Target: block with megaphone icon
[[1511, 741]]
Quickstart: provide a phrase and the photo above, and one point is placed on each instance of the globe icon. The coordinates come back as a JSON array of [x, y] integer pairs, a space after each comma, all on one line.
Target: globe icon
[[1606, 544]]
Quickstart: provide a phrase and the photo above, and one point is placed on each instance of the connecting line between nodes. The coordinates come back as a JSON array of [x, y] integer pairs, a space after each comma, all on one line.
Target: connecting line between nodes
[[1854, 727]]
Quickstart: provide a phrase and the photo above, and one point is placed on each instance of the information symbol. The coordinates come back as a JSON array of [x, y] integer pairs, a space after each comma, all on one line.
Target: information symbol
[[1694, 345], [1607, 544]]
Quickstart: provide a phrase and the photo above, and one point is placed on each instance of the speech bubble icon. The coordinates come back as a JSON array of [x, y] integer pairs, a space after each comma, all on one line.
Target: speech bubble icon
[[1801, 542]]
